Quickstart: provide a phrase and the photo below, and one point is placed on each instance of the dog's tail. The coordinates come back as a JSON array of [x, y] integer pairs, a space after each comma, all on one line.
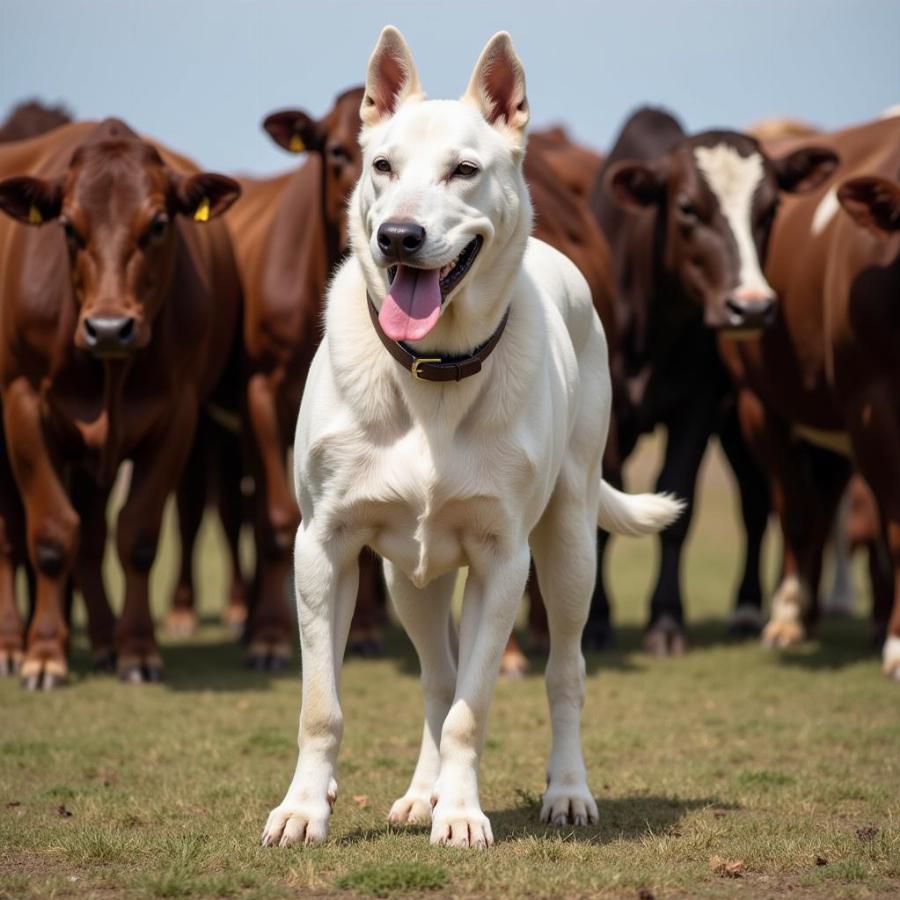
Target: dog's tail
[[636, 514]]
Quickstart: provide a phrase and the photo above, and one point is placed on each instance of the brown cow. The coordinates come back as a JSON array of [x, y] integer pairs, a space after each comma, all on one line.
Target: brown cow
[[116, 315], [32, 118], [574, 166], [827, 375], [289, 233]]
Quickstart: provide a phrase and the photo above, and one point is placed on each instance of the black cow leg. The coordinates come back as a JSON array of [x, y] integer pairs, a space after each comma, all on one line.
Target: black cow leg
[[746, 619], [687, 440], [598, 632]]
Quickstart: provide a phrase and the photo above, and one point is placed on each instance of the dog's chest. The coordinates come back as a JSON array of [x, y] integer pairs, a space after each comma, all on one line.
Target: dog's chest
[[431, 506]]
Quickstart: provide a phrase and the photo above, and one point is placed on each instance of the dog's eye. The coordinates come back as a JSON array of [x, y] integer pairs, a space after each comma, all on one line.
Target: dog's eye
[[382, 165], [465, 170]]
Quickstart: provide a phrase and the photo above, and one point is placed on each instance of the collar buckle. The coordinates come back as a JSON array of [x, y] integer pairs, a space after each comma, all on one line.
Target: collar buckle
[[421, 361]]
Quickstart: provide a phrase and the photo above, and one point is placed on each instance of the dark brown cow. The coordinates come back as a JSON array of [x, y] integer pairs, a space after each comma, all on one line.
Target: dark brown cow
[[688, 219], [117, 314], [32, 118], [827, 375], [289, 234]]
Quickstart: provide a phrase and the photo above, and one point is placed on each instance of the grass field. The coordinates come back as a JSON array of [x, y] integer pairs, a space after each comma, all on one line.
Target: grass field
[[730, 772]]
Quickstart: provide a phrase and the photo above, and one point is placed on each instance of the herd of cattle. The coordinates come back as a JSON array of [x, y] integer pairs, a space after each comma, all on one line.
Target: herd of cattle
[[156, 313]]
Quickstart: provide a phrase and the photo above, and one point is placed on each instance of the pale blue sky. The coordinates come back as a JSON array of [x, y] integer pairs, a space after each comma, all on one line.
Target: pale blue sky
[[201, 74]]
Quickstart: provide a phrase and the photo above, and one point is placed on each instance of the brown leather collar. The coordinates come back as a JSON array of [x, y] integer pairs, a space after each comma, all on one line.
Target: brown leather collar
[[435, 368]]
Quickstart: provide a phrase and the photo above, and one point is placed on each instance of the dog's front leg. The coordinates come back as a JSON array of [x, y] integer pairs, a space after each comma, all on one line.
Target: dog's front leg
[[493, 591], [326, 575]]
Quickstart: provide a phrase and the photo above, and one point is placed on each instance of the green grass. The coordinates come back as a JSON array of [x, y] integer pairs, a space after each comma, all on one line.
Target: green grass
[[787, 762]]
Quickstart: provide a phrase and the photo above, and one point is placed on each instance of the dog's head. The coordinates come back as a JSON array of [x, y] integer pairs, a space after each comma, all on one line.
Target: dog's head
[[440, 216]]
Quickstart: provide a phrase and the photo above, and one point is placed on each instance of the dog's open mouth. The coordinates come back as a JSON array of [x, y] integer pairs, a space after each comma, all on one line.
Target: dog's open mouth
[[414, 300]]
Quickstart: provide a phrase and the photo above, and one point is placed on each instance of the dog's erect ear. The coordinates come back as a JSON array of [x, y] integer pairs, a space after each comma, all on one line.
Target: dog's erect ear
[[873, 203], [497, 86], [392, 78]]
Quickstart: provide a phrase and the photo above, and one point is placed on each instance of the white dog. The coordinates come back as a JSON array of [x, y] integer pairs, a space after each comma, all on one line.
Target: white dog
[[404, 445]]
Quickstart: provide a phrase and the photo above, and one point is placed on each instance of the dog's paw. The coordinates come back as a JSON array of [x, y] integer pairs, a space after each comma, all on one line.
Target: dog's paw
[[460, 826], [413, 808], [297, 823], [569, 805]]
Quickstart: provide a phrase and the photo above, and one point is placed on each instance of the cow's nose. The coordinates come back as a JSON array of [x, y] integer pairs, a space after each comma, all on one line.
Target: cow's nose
[[398, 241], [108, 335], [750, 310]]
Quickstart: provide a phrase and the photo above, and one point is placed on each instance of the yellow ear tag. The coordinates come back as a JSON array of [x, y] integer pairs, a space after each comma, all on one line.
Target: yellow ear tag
[[34, 216], [296, 144], [202, 212]]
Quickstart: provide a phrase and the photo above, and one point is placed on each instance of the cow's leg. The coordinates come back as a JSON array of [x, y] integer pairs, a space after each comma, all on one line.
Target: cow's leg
[[425, 615], [12, 632], [493, 592], [841, 599], [564, 548], [875, 434], [688, 437], [91, 502], [230, 502], [52, 535], [365, 629], [158, 464], [746, 620], [191, 497], [327, 580], [269, 627]]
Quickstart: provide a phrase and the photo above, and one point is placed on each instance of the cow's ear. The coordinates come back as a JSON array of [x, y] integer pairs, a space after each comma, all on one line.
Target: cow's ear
[[392, 78], [873, 203], [31, 200], [638, 185], [805, 169], [294, 130], [497, 86], [205, 196]]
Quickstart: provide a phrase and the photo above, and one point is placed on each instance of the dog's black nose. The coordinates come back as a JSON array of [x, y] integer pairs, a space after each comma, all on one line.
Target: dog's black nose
[[398, 241], [108, 335]]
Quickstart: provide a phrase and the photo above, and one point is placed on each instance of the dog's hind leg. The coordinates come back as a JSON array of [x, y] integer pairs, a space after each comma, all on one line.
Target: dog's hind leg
[[565, 554], [327, 578], [425, 615]]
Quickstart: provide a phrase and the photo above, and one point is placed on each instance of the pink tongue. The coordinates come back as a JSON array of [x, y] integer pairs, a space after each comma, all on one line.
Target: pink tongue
[[413, 304]]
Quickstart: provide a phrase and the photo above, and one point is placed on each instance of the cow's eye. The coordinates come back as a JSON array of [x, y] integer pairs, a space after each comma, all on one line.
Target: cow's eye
[[687, 210], [382, 165], [337, 153], [465, 170], [768, 217], [157, 227], [73, 236]]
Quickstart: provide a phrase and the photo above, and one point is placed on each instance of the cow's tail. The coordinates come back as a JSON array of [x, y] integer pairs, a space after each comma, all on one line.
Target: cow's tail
[[636, 514]]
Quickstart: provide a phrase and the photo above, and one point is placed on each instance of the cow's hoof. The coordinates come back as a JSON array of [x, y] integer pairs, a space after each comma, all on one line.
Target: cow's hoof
[[598, 637], [569, 805], [365, 644], [413, 808], [745, 623], [181, 623], [461, 826], [234, 618], [513, 665], [140, 669], [43, 674], [10, 660], [103, 659], [297, 823], [665, 637], [781, 633], [269, 657]]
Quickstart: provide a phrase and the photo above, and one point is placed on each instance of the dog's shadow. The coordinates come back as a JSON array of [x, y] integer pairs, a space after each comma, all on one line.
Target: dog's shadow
[[621, 819]]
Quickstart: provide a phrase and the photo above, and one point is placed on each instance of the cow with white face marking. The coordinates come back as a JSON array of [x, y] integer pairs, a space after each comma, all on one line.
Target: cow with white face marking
[[688, 220]]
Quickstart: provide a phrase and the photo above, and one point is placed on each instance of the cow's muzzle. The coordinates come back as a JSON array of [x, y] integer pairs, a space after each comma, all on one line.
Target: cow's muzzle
[[109, 336], [749, 315]]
